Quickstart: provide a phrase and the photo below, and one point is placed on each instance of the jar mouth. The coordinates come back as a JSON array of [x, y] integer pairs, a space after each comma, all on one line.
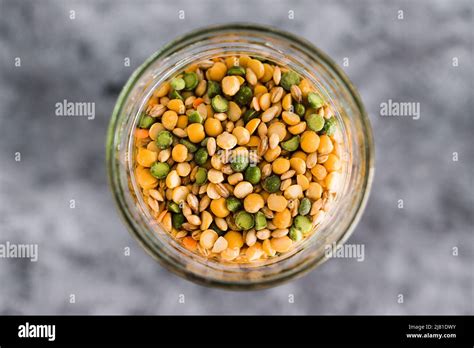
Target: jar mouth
[[120, 190]]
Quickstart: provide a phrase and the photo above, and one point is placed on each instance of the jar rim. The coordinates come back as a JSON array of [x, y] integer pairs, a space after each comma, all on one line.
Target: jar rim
[[222, 29]]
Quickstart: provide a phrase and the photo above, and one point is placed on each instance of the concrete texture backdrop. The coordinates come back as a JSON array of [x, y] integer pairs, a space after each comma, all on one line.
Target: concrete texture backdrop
[[408, 251]]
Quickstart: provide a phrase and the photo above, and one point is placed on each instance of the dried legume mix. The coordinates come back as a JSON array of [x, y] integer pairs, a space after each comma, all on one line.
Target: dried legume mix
[[238, 158]]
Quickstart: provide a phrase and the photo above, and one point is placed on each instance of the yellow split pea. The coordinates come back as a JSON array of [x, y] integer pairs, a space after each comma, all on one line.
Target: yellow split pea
[[230, 85], [213, 127], [179, 153], [309, 141], [280, 166], [219, 208], [253, 203], [195, 132]]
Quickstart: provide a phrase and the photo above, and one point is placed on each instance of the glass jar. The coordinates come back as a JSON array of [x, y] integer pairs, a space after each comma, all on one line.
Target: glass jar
[[284, 49]]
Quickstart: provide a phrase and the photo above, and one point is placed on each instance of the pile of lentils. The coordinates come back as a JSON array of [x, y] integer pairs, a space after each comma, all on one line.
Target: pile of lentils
[[238, 158]]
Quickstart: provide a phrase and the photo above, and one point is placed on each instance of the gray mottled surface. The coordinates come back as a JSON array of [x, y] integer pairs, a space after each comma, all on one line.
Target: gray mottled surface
[[408, 251]]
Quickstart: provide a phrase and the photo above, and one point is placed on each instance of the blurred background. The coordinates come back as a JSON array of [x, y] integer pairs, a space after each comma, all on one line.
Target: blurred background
[[75, 50]]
